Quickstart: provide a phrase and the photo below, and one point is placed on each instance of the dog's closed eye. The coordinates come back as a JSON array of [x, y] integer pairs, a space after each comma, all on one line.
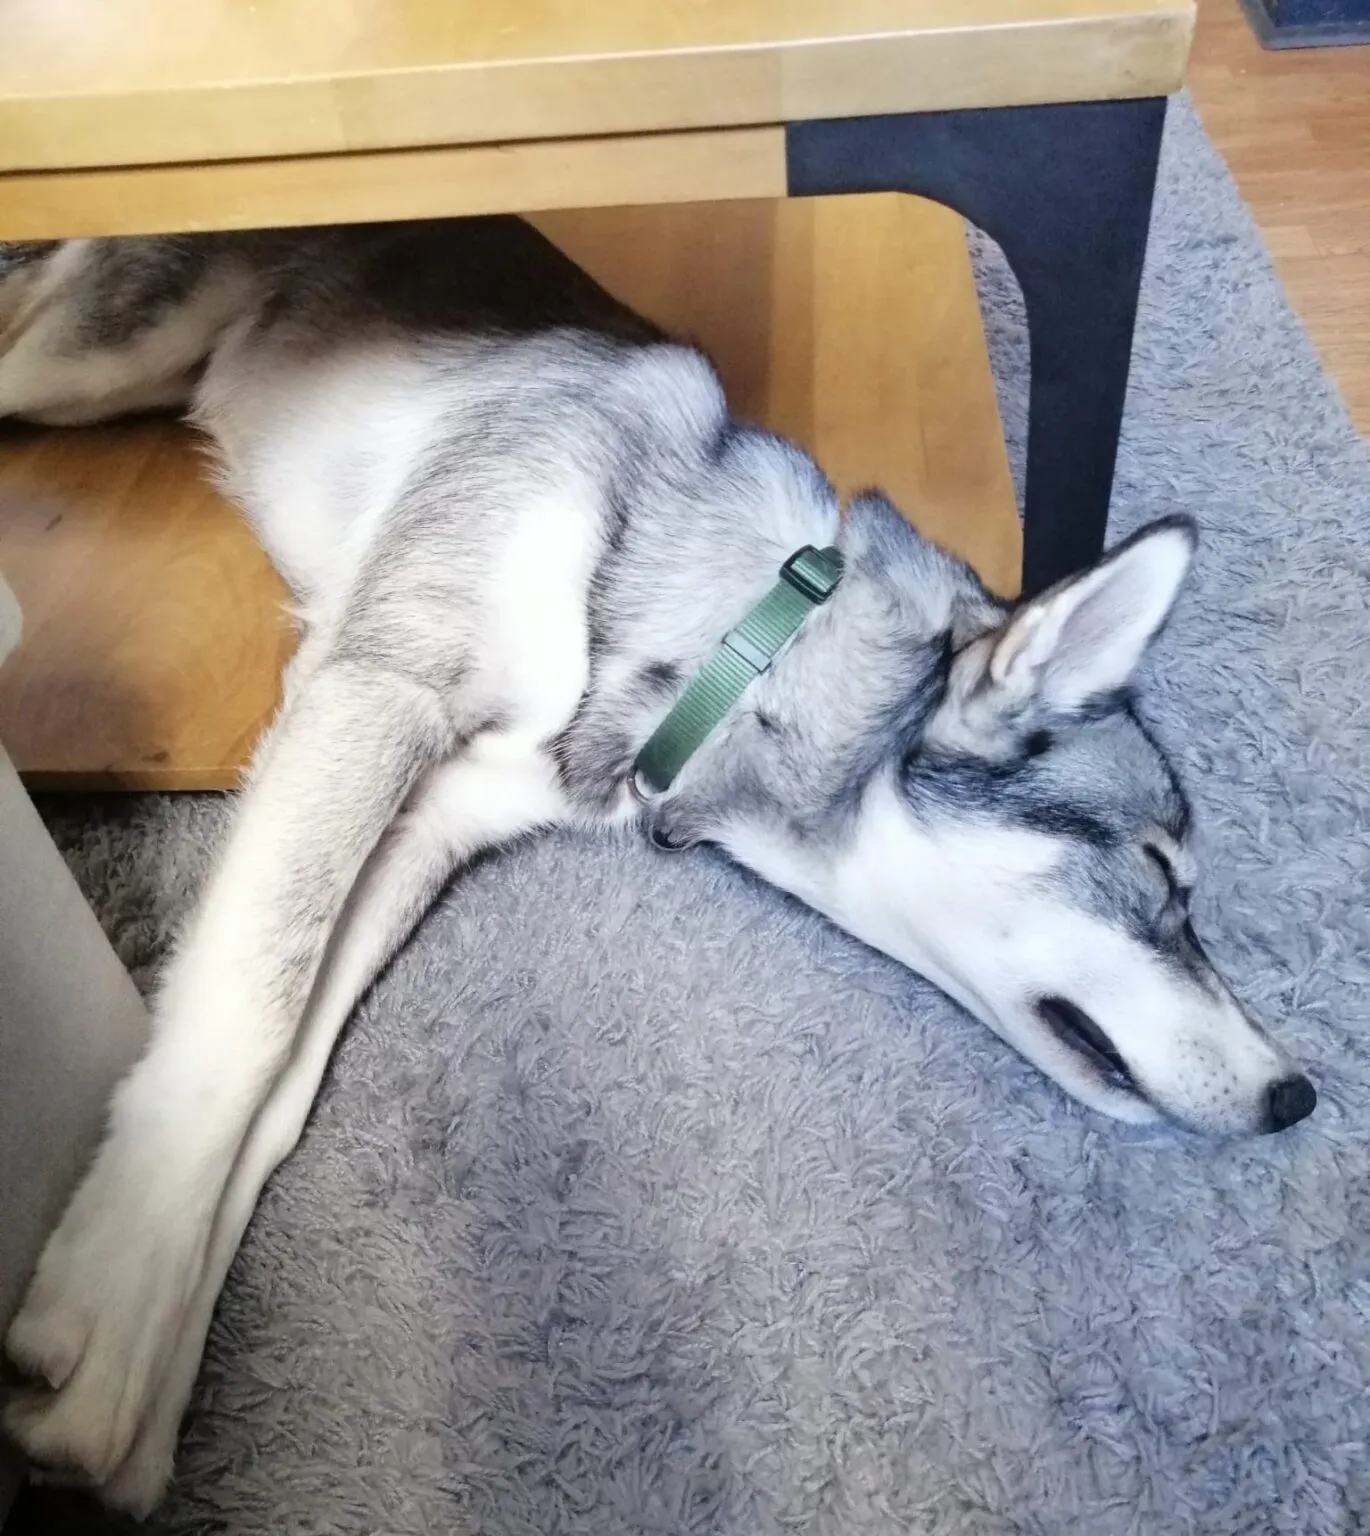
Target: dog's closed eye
[[1163, 864], [1177, 889]]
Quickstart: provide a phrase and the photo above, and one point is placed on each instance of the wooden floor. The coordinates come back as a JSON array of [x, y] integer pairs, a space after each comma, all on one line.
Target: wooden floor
[[1294, 126], [153, 642]]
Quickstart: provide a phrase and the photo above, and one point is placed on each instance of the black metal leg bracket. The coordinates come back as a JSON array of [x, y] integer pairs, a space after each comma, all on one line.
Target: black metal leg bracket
[[1066, 192]]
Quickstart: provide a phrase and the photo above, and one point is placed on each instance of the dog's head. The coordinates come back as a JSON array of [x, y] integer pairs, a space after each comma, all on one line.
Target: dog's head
[[1002, 822]]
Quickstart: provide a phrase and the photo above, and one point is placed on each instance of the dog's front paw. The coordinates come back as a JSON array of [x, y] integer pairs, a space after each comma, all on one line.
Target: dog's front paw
[[99, 1320], [143, 1475], [141, 1479]]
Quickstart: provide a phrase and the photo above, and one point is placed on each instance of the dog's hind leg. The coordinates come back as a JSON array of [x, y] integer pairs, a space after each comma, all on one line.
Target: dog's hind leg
[[93, 329], [465, 807], [105, 1307]]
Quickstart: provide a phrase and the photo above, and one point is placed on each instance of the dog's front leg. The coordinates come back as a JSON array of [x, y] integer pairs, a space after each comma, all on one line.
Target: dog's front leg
[[464, 807], [105, 1307]]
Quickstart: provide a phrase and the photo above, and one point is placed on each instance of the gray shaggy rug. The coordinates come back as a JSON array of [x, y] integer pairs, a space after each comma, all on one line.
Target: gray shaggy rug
[[638, 1200]]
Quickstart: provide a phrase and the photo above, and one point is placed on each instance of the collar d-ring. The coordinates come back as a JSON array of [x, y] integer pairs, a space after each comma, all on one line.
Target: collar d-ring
[[655, 836]]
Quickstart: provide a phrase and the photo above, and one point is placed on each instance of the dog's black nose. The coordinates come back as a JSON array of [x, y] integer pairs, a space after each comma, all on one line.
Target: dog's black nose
[[1291, 1101]]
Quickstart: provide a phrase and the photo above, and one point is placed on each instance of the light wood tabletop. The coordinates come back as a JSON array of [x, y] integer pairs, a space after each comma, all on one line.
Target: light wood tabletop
[[126, 82], [119, 115]]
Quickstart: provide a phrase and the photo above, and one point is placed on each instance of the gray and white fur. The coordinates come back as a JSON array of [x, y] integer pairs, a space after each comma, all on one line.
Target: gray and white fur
[[515, 520]]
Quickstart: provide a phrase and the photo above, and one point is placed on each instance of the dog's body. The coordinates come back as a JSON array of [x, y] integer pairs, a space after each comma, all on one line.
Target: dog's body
[[516, 521]]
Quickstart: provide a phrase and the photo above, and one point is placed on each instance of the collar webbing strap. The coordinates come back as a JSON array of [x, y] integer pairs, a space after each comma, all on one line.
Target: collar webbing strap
[[807, 579]]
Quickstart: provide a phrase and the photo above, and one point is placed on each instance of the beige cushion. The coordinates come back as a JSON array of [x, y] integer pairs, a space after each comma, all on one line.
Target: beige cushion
[[71, 1022]]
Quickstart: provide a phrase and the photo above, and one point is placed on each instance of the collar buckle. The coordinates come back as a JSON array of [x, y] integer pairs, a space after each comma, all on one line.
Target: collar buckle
[[813, 572]]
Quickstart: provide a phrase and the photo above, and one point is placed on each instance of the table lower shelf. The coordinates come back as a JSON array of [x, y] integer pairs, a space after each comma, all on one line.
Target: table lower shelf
[[154, 635]]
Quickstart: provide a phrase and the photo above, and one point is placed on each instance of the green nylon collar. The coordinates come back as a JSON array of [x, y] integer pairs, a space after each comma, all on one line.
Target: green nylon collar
[[807, 579]]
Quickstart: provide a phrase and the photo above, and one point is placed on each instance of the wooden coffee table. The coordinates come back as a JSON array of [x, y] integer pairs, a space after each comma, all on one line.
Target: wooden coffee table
[[1039, 120]]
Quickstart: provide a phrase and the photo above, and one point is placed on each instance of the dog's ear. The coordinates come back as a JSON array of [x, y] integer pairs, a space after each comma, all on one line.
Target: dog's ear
[[1079, 643], [1066, 653]]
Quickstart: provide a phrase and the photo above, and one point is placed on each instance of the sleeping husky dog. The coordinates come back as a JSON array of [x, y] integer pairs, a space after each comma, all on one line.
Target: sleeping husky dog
[[516, 521]]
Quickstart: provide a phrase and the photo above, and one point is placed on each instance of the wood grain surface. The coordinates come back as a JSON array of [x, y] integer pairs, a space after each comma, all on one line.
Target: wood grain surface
[[135, 82], [153, 635], [1294, 126], [384, 184]]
